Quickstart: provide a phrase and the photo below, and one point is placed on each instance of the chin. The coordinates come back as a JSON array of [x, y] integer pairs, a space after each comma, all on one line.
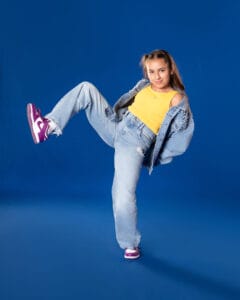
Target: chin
[[159, 87]]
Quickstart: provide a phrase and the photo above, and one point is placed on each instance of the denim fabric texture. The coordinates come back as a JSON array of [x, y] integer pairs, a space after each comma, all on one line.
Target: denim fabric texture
[[175, 133], [135, 145], [131, 140]]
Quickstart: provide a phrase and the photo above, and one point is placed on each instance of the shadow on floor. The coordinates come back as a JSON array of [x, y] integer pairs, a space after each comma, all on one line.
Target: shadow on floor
[[207, 284]]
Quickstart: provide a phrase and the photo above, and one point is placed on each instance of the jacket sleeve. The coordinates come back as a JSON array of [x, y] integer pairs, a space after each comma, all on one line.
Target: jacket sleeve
[[180, 135], [125, 98]]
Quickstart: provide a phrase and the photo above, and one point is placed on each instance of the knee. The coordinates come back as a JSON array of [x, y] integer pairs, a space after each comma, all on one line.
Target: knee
[[87, 85], [125, 207]]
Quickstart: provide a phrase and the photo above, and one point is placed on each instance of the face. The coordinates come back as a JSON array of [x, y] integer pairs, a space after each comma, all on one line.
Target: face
[[158, 73]]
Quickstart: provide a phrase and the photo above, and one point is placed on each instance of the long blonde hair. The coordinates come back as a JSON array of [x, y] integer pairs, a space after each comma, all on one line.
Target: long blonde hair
[[175, 78]]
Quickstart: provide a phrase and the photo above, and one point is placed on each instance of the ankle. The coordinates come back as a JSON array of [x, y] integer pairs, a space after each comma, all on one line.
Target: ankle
[[53, 128]]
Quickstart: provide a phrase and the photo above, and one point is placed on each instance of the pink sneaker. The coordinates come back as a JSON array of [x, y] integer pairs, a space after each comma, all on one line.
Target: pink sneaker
[[132, 253], [38, 124]]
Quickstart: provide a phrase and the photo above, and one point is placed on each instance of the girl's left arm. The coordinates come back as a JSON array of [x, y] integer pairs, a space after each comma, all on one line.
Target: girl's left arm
[[176, 99], [180, 136]]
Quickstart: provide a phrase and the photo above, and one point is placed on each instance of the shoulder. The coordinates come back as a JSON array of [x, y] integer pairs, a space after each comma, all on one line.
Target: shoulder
[[176, 99], [141, 84]]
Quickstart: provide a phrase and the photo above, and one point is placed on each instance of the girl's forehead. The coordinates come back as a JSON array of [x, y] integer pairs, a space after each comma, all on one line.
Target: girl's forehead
[[156, 62]]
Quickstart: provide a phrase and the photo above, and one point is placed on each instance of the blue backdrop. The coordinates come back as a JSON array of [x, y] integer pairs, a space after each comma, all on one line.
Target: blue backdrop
[[50, 46], [56, 227]]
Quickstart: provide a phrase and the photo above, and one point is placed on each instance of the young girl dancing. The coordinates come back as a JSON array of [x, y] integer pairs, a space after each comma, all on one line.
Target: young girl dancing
[[148, 125]]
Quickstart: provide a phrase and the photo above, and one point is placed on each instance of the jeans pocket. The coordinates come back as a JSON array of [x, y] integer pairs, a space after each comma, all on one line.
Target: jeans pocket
[[145, 139]]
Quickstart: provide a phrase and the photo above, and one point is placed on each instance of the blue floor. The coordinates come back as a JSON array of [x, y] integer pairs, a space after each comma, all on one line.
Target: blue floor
[[65, 248], [60, 244]]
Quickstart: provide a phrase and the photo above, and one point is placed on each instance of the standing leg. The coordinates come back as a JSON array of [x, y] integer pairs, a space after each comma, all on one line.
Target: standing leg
[[128, 163]]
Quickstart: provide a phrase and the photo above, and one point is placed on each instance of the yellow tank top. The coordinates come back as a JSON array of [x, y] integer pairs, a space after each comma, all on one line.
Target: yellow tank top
[[151, 107]]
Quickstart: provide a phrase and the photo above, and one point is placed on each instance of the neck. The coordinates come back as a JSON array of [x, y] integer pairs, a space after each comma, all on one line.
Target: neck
[[162, 90]]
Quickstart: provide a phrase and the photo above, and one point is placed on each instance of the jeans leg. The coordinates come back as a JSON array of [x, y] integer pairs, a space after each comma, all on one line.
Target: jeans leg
[[128, 162], [85, 96]]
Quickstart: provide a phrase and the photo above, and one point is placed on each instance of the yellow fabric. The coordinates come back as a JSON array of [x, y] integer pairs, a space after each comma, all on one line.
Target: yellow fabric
[[151, 107]]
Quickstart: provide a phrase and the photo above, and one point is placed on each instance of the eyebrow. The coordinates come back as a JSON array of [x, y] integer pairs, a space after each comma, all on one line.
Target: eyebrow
[[158, 69]]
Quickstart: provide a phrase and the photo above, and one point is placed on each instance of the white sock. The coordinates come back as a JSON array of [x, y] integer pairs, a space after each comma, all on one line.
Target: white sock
[[53, 128]]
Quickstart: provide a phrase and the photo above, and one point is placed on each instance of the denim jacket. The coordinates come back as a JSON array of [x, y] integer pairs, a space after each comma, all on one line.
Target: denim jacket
[[174, 135]]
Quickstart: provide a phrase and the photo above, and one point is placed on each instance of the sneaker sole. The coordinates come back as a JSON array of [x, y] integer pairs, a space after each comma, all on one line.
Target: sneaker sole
[[131, 257], [31, 122]]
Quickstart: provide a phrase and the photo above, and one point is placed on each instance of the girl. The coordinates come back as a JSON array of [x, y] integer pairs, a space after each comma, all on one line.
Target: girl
[[148, 125]]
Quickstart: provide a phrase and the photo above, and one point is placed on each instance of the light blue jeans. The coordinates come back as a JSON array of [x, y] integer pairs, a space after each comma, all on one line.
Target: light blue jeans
[[130, 138]]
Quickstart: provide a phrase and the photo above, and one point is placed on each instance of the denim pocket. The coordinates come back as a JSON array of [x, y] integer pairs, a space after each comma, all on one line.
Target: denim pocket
[[146, 138]]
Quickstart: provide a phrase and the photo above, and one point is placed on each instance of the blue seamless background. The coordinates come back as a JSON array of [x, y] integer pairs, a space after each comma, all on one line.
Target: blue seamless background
[[56, 224], [48, 47]]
